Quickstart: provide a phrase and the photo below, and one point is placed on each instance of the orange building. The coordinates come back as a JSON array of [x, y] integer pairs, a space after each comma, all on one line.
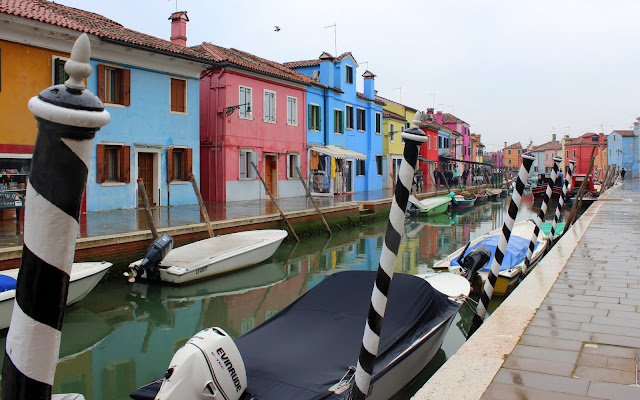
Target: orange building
[[511, 156]]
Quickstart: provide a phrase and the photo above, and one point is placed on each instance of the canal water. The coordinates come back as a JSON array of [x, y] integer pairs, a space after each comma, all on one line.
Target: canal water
[[123, 335]]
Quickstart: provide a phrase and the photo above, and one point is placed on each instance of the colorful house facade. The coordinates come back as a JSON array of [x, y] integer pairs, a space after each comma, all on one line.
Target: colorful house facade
[[349, 154], [511, 156], [464, 145], [254, 112], [580, 149], [622, 150], [149, 86]]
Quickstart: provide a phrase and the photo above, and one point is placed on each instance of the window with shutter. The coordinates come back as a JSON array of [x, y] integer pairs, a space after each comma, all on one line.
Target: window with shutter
[[246, 103], [246, 170], [113, 163], [269, 106], [292, 110], [114, 85], [59, 74], [178, 95], [293, 161], [314, 117], [349, 111]]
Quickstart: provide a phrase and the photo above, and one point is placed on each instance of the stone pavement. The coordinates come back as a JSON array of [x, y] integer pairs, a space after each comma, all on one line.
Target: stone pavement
[[571, 330]]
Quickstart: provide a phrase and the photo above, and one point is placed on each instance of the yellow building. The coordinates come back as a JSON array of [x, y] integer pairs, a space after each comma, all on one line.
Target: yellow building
[[396, 118]]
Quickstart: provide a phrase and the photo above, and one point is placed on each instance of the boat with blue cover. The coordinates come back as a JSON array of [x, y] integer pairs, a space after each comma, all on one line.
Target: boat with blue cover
[[511, 267]]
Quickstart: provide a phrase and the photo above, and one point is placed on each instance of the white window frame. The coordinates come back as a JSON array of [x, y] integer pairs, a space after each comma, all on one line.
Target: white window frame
[[292, 111], [346, 117], [378, 123], [379, 157], [364, 167], [349, 73], [295, 157], [242, 99], [269, 114], [53, 67], [364, 119], [245, 170], [428, 143], [312, 116]]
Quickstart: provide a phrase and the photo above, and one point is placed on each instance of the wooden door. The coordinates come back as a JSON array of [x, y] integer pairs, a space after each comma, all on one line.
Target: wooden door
[[271, 173], [145, 171]]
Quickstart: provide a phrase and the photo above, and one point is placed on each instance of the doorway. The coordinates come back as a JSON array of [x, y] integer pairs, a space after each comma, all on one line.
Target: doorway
[[348, 176], [145, 172], [271, 173]]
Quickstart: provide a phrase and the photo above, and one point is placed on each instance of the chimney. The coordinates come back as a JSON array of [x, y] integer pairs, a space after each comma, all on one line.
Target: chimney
[[553, 137], [369, 85], [439, 117], [179, 21], [505, 145], [326, 69], [429, 110]]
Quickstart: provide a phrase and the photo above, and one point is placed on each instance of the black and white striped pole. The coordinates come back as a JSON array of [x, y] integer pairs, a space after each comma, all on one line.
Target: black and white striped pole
[[413, 138], [540, 217], [516, 199], [565, 189], [68, 117]]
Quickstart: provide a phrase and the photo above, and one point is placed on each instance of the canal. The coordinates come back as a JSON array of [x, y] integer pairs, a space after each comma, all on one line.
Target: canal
[[123, 335]]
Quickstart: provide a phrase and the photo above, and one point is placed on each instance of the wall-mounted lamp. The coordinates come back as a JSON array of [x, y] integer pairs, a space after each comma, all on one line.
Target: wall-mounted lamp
[[229, 110]]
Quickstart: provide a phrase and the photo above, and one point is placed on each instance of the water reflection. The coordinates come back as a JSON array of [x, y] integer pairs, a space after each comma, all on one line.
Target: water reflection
[[122, 336]]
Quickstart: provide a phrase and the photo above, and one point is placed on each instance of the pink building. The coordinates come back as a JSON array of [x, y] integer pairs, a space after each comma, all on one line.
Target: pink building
[[464, 146], [252, 110]]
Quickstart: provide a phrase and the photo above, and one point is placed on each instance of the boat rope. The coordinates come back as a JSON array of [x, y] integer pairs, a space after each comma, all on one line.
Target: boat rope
[[540, 217], [413, 138], [565, 189], [507, 227], [68, 117]]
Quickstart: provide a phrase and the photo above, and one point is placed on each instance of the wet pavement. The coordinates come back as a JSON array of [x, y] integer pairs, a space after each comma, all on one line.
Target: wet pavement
[[571, 330]]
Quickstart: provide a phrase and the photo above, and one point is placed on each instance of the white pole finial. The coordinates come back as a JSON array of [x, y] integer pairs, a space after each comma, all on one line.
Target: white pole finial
[[78, 67]]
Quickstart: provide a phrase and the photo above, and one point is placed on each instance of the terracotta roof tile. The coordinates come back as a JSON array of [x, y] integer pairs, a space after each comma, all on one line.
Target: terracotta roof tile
[[514, 146], [385, 100], [390, 114], [311, 63], [95, 24], [625, 133], [451, 119], [252, 62]]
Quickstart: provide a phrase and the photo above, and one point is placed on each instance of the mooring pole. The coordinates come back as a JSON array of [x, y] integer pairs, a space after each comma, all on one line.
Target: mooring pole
[[516, 199], [565, 189], [203, 208], [540, 217], [413, 138], [577, 201], [284, 217], [68, 117], [306, 189], [142, 192]]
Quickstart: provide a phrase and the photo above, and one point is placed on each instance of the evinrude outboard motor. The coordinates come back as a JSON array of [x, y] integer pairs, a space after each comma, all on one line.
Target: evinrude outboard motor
[[156, 252], [208, 366], [473, 262]]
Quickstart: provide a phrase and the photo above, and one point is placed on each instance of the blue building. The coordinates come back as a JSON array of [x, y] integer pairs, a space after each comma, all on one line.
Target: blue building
[[622, 146], [344, 135]]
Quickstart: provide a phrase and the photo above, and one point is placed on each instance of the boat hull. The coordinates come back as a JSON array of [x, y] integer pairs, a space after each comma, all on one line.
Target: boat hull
[[84, 277], [441, 209]]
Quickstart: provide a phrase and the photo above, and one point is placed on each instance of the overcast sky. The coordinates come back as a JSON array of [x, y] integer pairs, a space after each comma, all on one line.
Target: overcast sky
[[515, 70]]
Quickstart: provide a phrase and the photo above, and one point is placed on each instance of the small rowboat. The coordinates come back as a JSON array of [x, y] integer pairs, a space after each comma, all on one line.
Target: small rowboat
[[431, 206], [481, 198], [84, 277], [461, 202]]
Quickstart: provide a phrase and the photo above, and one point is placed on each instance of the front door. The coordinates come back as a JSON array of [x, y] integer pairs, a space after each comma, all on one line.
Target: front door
[[348, 171], [145, 171], [271, 173]]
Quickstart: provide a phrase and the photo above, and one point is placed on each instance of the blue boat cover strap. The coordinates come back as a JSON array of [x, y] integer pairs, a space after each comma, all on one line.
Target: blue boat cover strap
[[515, 254], [7, 283]]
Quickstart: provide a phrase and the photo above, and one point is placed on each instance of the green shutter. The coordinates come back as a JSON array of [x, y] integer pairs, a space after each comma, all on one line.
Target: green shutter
[[309, 119]]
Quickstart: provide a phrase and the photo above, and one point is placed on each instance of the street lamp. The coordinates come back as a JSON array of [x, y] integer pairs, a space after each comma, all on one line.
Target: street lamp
[[229, 110]]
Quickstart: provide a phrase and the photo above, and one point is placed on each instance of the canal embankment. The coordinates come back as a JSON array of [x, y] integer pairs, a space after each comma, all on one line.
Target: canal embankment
[[571, 329]]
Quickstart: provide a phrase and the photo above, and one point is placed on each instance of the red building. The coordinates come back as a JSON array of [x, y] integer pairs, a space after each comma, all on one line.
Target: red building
[[580, 148], [428, 160]]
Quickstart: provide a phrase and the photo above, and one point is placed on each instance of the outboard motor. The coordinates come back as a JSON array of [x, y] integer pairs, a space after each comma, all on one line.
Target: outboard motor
[[156, 252], [208, 366], [473, 262]]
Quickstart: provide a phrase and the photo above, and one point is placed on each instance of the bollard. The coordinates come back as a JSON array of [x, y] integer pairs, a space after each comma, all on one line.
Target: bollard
[[516, 198], [565, 189], [68, 117], [413, 137], [540, 217]]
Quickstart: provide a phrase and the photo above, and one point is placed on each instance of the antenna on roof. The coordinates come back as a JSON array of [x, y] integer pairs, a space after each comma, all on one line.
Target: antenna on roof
[[176, 5], [335, 37]]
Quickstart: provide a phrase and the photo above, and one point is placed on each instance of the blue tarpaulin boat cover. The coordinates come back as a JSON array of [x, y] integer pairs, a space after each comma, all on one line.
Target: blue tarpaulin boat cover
[[7, 283], [516, 251], [307, 347]]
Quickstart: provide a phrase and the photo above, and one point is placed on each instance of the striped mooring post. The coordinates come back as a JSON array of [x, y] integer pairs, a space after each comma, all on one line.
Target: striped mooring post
[[565, 189], [413, 138], [516, 199], [68, 117], [540, 217]]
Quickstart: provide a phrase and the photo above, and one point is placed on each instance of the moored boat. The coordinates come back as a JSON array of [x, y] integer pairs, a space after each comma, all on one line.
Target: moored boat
[[84, 277], [460, 201], [207, 257], [511, 267], [434, 206], [307, 350], [481, 198]]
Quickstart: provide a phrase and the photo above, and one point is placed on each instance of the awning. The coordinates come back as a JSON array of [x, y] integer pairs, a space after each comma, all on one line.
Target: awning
[[338, 152]]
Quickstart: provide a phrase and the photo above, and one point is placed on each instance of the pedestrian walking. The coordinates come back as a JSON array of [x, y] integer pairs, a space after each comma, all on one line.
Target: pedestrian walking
[[623, 173], [419, 176]]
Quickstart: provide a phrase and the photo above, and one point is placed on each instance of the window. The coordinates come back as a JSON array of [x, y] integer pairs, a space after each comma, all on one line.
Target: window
[[113, 163], [428, 143], [293, 162], [313, 117], [59, 74], [378, 123], [349, 111], [519, 151], [292, 110], [349, 74], [407, 126], [440, 141], [362, 116], [392, 132], [379, 165], [178, 95], [435, 142], [509, 152], [269, 106], [509, 161], [114, 85], [179, 161], [567, 153], [246, 101], [338, 121], [360, 167], [246, 170], [574, 153]]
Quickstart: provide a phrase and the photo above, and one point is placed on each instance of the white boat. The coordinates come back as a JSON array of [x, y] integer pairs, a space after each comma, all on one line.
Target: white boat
[[208, 257], [84, 277], [308, 350], [512, 263]]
